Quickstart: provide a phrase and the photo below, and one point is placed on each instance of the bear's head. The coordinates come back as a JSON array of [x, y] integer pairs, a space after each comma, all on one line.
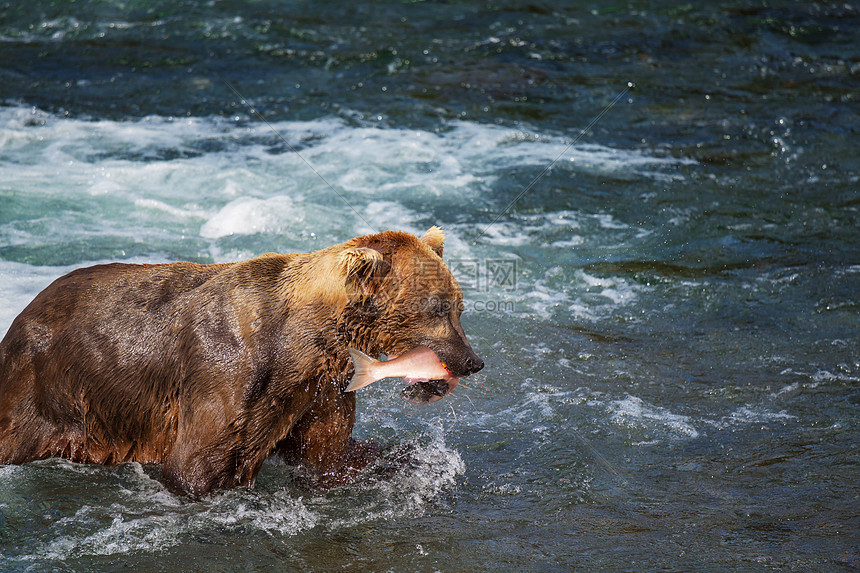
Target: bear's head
[[400, 295]]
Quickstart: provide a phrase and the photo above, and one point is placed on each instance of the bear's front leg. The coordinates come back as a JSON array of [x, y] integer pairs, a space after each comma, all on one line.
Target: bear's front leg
[[321, 441], [209, 460], [214, 450]]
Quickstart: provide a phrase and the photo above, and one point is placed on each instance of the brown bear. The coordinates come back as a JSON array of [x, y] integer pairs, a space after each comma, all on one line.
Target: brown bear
[[208, 369]]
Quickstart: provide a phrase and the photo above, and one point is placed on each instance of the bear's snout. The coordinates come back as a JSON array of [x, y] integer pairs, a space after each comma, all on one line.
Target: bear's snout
[[463, 363]]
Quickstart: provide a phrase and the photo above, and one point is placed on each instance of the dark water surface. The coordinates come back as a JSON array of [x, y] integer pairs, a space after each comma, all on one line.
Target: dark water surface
[[669, 314]]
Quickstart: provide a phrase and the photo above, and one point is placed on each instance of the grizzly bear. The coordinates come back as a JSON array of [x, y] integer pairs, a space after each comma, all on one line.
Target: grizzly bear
[[209, 369]]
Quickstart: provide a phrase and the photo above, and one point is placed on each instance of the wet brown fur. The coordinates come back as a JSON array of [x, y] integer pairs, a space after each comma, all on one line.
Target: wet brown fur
[[208, 369]]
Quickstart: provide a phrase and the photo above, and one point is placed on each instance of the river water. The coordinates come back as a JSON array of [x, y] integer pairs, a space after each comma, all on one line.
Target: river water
[[652, 208]]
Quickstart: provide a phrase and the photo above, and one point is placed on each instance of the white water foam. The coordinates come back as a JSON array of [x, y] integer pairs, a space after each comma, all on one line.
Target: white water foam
[[636, 413], [249, 215], [583, 297], [560, 229], [186, 166], [135, 513], [145, 524], [163, 181], [751, 414], [433, 469]]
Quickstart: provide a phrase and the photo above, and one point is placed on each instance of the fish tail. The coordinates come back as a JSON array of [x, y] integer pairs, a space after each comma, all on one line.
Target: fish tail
[[363, 365]]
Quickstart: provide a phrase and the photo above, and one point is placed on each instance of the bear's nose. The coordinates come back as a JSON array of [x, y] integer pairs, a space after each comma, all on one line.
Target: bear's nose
[[473, 364]]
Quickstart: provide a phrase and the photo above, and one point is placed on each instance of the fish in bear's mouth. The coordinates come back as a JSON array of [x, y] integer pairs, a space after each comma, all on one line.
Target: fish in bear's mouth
[[428, 377]]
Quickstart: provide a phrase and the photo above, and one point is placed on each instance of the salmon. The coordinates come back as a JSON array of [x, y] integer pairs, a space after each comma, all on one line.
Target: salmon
[[418, 365]]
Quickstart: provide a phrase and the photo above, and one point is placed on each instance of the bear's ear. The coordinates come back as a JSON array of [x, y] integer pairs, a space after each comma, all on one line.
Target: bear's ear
[[359, 262], [359, 266], [435, 239]]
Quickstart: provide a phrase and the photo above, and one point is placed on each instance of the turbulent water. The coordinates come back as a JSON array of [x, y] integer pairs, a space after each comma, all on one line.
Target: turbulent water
[[652, 208]]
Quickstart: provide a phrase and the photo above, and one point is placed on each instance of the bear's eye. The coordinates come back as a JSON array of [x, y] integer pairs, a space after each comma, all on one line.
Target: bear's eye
[[438, 307]]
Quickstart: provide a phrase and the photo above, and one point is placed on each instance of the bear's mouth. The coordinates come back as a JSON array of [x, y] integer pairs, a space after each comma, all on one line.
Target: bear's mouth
[[427, 391]]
